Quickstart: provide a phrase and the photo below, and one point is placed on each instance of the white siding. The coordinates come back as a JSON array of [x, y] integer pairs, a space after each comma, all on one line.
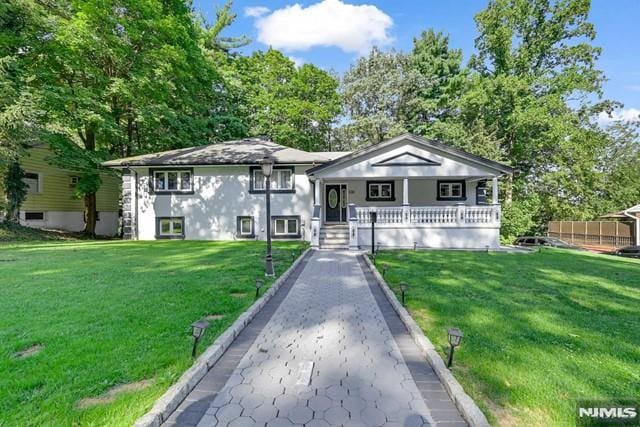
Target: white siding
[[221, 193]]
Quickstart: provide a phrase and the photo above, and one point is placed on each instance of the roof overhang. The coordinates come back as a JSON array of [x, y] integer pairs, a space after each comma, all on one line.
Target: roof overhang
[[454, 153]]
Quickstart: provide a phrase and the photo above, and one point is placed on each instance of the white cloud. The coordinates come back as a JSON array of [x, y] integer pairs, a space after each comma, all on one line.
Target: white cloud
[[255, 11], [627, 115], [297, 61], [352, 28]]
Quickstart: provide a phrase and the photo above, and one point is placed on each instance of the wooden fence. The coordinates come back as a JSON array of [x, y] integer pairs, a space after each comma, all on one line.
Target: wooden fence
[[601, 233]]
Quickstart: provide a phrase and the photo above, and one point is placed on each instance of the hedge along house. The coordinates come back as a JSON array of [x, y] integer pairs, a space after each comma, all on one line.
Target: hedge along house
[[51, 203], [422, 191]]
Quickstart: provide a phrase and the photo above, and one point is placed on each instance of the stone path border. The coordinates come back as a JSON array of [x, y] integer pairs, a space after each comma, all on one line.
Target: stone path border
[[465, 404], [176, 394]]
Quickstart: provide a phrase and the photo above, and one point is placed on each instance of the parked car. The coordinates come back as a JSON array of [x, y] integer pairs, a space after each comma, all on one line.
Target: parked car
[[632, 251], [542, 241]]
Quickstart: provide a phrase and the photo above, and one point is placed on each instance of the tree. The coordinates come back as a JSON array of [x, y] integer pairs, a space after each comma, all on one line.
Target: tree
[[434, 81], [117, 79], [292, 106], [15, 191], [372, 94], [534, 76]]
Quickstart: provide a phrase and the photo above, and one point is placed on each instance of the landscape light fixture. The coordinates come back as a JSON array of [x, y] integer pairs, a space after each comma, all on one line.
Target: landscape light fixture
[[267, 170], [403, 289], [259, 284], [378, 248], [415, 245], [455, 337], [197, 330], [385, 267]]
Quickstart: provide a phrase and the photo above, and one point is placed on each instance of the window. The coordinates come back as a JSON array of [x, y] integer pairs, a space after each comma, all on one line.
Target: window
[[73, 181], [451, 190], [34, 216], [172, 181], [32, 179], [245, 227], [380, 190], [286, 226], [281, 180], [170, 228]]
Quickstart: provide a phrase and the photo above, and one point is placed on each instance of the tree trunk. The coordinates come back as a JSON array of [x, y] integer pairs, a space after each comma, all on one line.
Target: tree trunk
[[509, 190], [90, 207]]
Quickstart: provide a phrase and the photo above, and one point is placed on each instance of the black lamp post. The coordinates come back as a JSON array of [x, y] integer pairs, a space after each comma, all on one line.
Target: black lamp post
[[403, 289], [267, 170], [197, 330], [455, 337], [259, 284]]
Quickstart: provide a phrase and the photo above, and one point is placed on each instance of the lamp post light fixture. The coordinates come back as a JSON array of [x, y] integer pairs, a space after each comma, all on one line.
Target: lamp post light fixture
[[197, 330], [267, 170], [403, 289], [455, 337], [259, 284]]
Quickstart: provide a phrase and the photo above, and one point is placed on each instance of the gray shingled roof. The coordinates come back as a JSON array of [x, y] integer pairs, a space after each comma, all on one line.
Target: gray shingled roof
[[243, 151]]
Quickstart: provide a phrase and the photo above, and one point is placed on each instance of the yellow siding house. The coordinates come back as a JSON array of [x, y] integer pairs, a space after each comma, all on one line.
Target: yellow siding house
[[50, 200]]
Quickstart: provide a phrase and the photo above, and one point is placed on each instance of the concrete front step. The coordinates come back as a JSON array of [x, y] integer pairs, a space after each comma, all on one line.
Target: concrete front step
[[332, 246]]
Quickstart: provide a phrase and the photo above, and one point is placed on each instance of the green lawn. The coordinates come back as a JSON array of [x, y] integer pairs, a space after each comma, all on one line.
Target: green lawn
[[108, 313], [541, 329]]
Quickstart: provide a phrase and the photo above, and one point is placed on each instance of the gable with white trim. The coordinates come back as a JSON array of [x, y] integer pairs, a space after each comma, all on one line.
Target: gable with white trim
[[407, 158]]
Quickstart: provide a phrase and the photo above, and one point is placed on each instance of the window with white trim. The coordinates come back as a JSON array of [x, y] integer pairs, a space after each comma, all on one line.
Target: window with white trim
[[377, 190], [286, 226], [451, 190], [170, 227], [172, 181], [245, 226], [281, 180], [32, 179]]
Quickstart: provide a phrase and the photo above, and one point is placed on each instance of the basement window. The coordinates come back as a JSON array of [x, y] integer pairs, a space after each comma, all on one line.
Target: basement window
[[170, 228], [285, 226], [34, 216], [245, 227]]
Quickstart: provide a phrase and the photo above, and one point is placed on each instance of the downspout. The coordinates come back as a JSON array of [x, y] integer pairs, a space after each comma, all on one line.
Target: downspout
[[637, 228]]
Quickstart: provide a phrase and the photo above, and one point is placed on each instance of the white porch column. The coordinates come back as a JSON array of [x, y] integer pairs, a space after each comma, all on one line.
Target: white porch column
[[315, 217], [494, 190], [405, 200]]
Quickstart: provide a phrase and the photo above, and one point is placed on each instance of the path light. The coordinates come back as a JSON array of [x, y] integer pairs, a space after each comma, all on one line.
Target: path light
[[455, 337], [197, 330], [373, 258], [487, 248], [378, 248], [415, 245], [259, 284], [403, 289], [385, 267]]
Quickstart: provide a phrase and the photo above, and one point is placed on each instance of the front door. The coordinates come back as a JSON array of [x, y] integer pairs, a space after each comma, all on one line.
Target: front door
[[335, 202]]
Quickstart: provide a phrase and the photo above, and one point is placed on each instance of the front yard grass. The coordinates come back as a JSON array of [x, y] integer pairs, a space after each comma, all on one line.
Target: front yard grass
[[113, 313], [540, 330]]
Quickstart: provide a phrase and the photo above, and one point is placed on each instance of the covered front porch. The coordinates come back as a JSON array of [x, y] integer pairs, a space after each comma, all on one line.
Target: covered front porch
[[410, 212], [412, 192]]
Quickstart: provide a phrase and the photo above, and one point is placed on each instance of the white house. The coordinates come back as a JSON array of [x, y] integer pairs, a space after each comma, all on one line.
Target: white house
[[424, 193]]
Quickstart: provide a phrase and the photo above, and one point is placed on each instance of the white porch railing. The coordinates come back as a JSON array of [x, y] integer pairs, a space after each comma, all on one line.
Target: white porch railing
[[437, 215]]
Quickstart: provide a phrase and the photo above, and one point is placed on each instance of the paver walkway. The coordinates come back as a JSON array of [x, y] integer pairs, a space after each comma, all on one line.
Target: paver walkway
[[326, 356]]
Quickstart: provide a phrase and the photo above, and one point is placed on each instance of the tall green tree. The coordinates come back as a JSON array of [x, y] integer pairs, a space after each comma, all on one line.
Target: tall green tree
[[372, 97], [15, 191], [293, 106], [117, 78], [434, 80], [534, 78]]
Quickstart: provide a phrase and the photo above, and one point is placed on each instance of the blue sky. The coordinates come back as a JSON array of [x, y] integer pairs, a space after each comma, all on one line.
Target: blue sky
[[333, 33]]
